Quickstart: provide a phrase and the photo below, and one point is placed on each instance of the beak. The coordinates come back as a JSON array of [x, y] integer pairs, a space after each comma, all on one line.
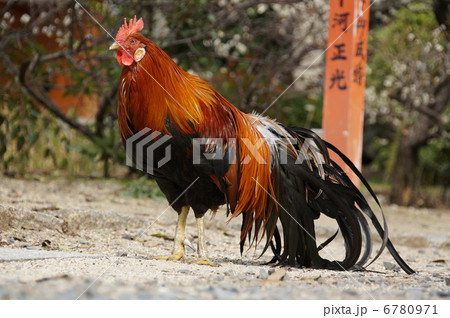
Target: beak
[[114, 46]]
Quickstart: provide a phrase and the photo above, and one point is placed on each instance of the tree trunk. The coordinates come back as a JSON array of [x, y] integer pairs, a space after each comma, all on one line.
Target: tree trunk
[[403, 176]]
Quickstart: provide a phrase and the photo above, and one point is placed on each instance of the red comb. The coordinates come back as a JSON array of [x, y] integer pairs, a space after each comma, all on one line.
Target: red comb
[[132, 27]]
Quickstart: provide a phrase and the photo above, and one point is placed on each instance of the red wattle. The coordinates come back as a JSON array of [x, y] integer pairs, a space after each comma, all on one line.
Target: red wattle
[[124, 58]]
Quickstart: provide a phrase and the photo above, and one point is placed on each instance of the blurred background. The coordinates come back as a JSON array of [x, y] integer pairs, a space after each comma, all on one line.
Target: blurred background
[[59, 82]]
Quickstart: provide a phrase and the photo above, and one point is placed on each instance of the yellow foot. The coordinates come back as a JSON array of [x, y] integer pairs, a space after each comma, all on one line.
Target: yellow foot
[[203, 261], [173, 257]]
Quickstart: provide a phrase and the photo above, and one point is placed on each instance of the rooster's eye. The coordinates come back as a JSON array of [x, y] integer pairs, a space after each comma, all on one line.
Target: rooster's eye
[[132, 42]]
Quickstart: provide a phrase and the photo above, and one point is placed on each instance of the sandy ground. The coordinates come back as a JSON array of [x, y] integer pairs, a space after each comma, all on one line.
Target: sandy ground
[[90, 217]]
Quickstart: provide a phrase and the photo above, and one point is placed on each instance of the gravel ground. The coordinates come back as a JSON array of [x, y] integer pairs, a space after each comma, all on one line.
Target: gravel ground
[[89, 217]]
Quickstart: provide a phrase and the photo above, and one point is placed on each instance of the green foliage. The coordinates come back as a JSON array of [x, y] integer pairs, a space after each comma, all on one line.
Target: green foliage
[[17, 133], [29, 139], [104, 149], [406, 54], [303, 111], [434, 159], [433, 167], [32, 141], [141, 188]]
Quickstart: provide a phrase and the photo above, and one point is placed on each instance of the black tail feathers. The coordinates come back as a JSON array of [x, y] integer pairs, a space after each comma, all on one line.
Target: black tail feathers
[[316, 185]]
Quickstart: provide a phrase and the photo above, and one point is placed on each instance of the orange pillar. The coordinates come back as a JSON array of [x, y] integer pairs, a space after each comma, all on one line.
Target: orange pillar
[[343, 111]]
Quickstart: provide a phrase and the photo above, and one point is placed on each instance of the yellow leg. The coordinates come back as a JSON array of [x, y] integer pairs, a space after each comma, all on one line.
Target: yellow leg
[[178, 246], [201, 244]]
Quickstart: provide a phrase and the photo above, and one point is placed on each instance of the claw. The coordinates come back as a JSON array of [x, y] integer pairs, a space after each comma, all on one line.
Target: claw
[[173, 257], [189, 244], [204, 261]]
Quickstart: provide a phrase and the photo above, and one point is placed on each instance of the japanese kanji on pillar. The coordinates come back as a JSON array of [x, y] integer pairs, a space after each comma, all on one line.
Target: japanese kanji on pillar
[[343, 113]]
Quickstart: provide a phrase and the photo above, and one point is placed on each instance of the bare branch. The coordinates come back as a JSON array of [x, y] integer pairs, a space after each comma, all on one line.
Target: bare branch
[[43, 98]]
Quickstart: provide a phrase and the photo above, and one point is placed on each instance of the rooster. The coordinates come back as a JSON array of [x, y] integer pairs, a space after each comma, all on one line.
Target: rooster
[[279, 179]]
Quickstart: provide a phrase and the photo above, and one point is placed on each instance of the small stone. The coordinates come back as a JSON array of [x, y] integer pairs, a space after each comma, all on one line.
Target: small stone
[[263, 274], [184, 271], [122, 254], [351, 292], [444, 294], [230, 273], [447, 281], [421, 251], [390, 266], [322, 280], [90, 198], [436, 275], [277, 275], [411, 259], [127, 237]]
